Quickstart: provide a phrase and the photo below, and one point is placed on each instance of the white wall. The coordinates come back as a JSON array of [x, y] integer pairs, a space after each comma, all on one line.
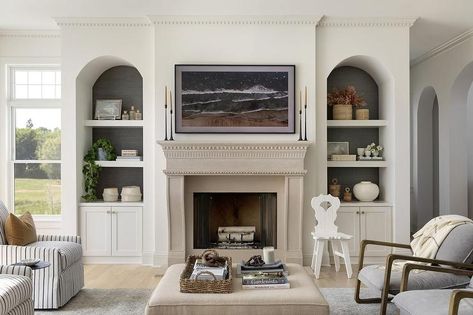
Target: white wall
[[442, 72], [22, 47]]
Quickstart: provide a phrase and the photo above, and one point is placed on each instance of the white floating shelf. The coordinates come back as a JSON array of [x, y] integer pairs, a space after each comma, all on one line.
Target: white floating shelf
[[114, 123], [356, 123], [376, 203], [357, 163], [111, 204], [120, 163]]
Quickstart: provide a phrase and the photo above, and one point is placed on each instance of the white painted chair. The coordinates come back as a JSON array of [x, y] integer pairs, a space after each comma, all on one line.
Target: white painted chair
[[326, 231]]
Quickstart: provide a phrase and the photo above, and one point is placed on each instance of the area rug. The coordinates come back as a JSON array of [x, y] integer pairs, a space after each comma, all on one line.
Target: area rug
[[104, 302], [342, 302]]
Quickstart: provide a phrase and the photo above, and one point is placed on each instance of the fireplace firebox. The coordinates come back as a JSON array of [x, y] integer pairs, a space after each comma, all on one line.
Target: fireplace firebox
[[235, 220]]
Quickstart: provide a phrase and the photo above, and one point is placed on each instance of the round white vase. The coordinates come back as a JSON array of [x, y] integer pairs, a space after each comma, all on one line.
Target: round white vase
[[366, 191]]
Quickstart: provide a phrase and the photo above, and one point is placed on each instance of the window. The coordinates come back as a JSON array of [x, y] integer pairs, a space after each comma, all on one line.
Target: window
[[35, 139]]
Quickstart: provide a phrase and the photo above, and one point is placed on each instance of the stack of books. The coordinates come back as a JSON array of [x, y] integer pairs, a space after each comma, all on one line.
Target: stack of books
[[268, 276], [220, 273], [129, 155]]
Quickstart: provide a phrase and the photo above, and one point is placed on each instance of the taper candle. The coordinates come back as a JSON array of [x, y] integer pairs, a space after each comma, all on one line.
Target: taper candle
[[305, 98], [165, 95], [170, 111]]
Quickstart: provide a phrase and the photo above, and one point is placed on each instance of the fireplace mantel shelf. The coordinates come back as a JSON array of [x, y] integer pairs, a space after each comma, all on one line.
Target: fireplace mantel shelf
[[235, 158]]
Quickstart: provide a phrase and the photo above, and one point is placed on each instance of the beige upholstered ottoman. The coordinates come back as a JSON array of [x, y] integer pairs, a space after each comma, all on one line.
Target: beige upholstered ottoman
[[302, 298]]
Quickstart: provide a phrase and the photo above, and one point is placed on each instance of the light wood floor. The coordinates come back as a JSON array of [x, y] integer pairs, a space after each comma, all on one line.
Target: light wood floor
[[145, 277]]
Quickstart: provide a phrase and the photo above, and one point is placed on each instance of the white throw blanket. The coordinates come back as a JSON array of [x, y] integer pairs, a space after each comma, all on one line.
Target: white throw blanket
[[428, 239]]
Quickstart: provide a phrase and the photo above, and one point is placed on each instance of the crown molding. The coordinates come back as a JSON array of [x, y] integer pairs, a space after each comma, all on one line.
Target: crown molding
[[449, 44], [30, 34], [328, 21], [235, 20], [64, 22]]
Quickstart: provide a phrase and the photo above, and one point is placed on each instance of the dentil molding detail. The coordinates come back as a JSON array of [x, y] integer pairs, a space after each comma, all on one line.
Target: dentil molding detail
[[367, 21], [235, 20]]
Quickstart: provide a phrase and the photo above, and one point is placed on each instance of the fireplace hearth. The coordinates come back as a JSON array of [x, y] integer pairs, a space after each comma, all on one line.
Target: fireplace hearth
[[235, 220]]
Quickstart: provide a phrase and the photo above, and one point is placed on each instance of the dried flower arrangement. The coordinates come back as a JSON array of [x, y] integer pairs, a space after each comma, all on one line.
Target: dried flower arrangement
[[346, 96]]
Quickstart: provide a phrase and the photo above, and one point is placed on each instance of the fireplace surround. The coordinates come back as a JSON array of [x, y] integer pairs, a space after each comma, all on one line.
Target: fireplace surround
[[265, 168]]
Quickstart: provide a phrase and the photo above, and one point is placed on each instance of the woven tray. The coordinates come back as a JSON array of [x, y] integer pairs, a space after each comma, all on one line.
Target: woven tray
[[204, 286]]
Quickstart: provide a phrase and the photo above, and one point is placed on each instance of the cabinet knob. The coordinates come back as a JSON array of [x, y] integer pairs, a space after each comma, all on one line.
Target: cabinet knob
[[109, 211], [358, 212], [362, 212]]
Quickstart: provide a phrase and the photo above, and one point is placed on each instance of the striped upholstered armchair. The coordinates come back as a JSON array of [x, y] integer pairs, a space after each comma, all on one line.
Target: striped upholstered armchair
[[55, 285], [16, 290]]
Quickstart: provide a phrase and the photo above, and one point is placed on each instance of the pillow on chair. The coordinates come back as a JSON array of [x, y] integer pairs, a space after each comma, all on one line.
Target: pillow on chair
[[20, 230]]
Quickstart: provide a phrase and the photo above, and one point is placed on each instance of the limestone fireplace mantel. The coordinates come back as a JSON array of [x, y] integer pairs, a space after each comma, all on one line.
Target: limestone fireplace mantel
[[252, 163]]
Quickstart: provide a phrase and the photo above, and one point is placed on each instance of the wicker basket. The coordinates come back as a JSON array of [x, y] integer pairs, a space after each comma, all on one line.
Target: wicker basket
[[342, 112], [204, 286]]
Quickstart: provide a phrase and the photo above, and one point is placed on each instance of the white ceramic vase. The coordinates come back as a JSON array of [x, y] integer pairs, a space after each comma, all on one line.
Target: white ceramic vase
[[366, 191], [110, 194]]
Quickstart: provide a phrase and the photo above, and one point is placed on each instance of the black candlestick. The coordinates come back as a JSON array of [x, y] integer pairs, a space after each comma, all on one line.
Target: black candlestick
[[300, 125], [305, 122], [165, 122]]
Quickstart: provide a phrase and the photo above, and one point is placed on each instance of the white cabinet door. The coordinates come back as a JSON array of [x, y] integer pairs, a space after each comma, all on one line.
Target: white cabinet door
[[376, 225], [95, 231], [126, 231], [348, 222]]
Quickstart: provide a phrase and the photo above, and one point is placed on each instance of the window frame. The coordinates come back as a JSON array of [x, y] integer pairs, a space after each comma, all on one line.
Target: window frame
[[27, 103]]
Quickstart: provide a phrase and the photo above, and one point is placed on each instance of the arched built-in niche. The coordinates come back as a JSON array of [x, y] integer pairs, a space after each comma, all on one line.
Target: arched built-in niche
[[460, 143], [375, 83], [426, 201], [470, 150], [109, 77]]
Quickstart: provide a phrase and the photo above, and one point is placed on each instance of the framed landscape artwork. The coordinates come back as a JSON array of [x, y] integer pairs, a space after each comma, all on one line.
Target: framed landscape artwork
[[235, 99]]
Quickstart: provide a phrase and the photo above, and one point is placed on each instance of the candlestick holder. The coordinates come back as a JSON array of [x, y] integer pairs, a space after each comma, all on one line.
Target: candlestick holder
[[305, 122], [165, 122], [300, 125]]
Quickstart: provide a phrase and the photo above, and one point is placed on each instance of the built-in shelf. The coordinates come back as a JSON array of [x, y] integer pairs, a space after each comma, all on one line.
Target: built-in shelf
[[356, 123], [376, 203], [120, 163], [112, 204], [114, 123], [357, 163]]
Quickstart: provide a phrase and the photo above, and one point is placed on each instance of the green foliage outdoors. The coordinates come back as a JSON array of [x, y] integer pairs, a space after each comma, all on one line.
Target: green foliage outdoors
[[37, 185]]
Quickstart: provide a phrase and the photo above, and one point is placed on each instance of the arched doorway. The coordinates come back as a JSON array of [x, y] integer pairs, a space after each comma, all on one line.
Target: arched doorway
[[427, 196]]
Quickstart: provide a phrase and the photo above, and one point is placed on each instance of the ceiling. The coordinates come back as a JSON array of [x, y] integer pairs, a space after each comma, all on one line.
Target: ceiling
[[439, 20]]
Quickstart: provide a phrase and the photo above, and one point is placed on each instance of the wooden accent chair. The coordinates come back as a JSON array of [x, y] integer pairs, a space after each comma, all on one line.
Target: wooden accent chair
[[419, 302], [455, 251]]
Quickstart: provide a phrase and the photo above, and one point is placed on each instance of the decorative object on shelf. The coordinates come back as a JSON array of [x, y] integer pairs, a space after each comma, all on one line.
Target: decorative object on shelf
[[374, 151], [255, 261], [91, 170], [235, 99], [340, 148], [132, 113], [347, 195], [343, 157], [138, 115], [108, 109], [366, 191], [110, 194], [170, 112], [362, 114], [101, 154], [300, 116], [334, 187], [305, 115], [125, 115], [131, 193], [268, 254], [367, 153], [360, 152], [343, 101], [165, 113]]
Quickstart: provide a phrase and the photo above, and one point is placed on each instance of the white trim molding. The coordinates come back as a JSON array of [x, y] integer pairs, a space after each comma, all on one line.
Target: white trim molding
[[449, 44], [235, 19], [30, 33], [64, 22], [328, 21]]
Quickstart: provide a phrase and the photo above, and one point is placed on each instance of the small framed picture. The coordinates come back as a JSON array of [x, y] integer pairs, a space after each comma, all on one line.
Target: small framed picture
[[108, 109], [339, 148]]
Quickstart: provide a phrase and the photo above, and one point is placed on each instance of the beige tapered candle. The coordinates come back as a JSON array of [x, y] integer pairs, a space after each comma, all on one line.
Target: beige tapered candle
[[300, 100], [305, 103], [165, 95], [170, 100]]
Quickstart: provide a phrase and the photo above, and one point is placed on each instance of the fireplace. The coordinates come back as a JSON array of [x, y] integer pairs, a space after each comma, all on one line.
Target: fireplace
[[235, 220], [206, 181]]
